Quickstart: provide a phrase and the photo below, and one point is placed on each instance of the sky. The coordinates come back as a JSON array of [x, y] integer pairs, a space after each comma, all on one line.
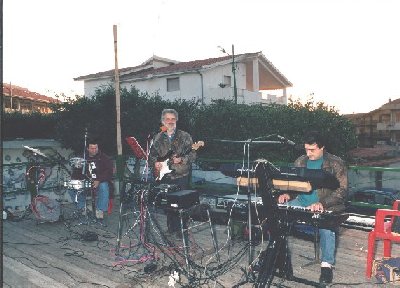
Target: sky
[[344, 53]]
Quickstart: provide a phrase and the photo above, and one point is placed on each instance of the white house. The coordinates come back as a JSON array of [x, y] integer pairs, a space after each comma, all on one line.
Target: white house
[[203, 80]]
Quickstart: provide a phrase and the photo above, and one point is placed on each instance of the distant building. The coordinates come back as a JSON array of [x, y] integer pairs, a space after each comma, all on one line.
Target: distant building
[[202, 80], [380, 126], [16, 98]]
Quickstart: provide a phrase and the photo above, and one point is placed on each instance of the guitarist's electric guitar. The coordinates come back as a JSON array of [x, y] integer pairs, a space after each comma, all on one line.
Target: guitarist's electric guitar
[[165, 161]]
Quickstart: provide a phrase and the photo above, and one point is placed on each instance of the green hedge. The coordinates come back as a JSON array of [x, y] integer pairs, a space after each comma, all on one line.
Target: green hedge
[[28, 126], [140, 117]]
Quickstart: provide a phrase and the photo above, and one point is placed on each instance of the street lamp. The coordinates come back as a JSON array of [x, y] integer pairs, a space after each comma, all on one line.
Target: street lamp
[[233, 70]]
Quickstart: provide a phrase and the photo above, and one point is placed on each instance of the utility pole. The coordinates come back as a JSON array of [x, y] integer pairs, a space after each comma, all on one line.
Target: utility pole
[[234, 74]]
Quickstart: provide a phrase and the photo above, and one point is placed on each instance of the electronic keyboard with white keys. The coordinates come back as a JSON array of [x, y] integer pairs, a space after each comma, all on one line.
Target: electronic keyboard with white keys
[[324, 219]]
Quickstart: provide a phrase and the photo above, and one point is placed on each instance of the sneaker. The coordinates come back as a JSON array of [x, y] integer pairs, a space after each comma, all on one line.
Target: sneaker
[[326, 275], [99, 214]]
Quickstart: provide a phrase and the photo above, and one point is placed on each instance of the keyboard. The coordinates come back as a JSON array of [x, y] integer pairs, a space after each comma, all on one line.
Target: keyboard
[[324, 219]]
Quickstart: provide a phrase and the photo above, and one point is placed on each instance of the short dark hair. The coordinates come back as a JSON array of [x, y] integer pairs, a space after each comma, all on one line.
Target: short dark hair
[[314, 137], [93, 140]]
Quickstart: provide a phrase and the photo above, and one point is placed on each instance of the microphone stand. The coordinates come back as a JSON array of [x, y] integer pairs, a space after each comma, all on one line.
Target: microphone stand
[[84, 154], [91, 188], [247, 154], [139, 154], [149, 144]]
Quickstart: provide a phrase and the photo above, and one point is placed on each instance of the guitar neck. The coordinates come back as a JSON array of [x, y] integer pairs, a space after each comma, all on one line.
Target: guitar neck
[[170, 153]]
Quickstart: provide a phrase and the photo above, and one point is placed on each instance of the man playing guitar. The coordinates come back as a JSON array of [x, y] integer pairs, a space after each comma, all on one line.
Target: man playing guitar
[[174, 148]]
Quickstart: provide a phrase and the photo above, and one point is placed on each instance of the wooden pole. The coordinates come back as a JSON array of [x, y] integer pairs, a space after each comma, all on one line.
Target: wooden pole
[[11, 95], [117, 94], [118, 108]]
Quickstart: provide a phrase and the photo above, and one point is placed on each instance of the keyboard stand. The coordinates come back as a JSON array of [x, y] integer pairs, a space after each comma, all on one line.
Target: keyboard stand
[[185, 235], [316, 259]]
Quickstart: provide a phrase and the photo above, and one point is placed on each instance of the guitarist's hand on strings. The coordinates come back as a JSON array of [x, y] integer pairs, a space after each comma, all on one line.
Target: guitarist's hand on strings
[[158, 166]]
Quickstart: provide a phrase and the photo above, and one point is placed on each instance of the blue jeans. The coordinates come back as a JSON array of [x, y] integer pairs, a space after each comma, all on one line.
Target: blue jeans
[[102, 197], [327, 240]]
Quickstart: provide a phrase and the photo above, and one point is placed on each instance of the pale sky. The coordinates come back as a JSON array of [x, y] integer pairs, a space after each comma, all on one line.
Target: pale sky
[[344, 52]]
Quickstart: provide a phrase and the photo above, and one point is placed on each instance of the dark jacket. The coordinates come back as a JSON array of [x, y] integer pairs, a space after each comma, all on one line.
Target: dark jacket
[[104, 167], [181, 145], [333, 200]]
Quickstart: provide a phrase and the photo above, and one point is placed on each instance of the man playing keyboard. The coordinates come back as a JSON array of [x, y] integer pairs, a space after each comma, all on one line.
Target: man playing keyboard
[[322, 199]]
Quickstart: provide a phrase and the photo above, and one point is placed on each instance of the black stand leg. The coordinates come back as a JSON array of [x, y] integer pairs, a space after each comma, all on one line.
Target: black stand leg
[[276, 256], [215, 244], [316, 249]]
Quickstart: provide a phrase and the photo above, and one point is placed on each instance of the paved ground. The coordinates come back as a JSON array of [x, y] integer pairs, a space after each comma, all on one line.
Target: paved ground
[[59, 254]]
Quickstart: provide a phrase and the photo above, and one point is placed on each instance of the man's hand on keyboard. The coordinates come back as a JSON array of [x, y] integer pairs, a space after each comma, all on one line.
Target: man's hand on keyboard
[[316, 207], [283, 198]]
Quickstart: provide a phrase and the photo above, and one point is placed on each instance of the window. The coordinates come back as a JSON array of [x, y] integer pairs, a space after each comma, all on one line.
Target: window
[[228, 81], [7, 102], [173, 84], [397, 116], [15, 102]]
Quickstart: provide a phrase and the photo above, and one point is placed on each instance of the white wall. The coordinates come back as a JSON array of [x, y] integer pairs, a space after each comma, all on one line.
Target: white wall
[[191, 85], [90, 86]]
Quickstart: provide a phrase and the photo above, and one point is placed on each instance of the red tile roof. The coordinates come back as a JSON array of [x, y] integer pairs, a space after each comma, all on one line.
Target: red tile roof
[[24, 93], [177, 67]]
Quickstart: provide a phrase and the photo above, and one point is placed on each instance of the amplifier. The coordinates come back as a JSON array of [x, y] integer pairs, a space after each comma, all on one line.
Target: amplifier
[[182, 199], [158, 195]]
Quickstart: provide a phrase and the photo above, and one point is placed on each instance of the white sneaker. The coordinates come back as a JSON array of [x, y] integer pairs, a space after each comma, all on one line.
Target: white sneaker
[[99, 214]]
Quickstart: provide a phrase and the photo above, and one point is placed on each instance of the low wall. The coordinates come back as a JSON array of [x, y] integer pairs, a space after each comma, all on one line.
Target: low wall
[[20, 166]]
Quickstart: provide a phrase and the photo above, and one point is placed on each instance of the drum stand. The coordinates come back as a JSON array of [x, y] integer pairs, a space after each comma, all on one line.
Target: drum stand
[[37, 178], [60, 183], [89, 216]]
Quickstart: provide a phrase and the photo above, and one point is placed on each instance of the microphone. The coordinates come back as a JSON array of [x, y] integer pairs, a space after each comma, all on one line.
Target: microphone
[[286, 141], [162, 129]]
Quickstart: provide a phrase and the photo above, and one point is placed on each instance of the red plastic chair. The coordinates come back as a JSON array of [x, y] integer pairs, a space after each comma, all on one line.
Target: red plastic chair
[[382, 230]]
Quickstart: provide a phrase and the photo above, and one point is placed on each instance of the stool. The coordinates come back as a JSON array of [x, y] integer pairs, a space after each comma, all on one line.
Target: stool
[[382, 230]]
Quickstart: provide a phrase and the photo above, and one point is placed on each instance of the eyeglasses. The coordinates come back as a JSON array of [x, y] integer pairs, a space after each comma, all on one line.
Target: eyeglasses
[[170, 119]]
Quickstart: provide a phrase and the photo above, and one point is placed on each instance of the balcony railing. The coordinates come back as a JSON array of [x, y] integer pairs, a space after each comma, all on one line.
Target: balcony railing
[[388, 126]]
